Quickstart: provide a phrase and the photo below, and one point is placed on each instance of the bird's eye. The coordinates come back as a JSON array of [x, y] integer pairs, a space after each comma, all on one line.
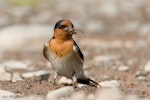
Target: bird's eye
[[62, 27]]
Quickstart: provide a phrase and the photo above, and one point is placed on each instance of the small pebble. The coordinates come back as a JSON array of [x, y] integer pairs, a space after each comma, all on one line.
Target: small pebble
[[123, 68], [141, 78], [16, 77], [65, 80]]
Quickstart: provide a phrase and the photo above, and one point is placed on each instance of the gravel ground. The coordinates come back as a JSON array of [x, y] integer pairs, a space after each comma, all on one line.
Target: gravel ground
[[119, 58]]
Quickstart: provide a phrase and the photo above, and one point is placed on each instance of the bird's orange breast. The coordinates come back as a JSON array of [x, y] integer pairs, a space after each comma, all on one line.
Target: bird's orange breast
[[61, 48]]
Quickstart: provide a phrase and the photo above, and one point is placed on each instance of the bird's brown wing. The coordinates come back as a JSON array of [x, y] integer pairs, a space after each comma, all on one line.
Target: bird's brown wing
[[46, 50], [78, 51]]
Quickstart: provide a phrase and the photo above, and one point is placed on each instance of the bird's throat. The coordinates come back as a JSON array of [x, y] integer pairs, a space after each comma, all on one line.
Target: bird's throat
[[61, 48]]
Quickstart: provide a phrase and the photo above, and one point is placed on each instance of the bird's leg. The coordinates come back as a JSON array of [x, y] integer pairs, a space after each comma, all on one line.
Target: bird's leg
[[74, 81], [55, 76]]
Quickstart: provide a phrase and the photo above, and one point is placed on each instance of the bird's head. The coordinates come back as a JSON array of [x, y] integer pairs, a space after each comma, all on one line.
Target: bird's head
[[64, 29]]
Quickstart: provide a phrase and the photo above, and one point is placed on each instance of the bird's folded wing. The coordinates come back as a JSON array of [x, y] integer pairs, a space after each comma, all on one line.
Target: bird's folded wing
[[78, 51], [46, 50]]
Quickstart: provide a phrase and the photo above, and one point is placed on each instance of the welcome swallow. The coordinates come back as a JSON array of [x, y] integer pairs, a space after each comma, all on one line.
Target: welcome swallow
[[65, 55]]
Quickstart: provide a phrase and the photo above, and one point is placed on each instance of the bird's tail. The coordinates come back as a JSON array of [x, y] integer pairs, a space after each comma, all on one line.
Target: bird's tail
[[88, 81]]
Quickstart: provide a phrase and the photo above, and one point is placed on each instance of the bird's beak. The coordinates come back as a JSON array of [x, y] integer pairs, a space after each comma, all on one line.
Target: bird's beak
[[70, 30]]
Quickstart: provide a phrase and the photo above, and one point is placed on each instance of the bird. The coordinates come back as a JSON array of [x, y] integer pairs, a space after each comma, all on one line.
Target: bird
[[65, 55]]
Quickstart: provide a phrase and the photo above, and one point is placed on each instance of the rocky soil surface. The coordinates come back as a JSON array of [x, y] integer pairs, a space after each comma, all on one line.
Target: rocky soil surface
[[120, 64], [115, 44]]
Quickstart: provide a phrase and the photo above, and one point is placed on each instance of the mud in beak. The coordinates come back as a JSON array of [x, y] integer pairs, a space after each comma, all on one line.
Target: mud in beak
[[70, 30]]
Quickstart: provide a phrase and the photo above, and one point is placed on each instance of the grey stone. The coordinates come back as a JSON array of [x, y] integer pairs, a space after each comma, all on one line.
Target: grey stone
[[60, 93]]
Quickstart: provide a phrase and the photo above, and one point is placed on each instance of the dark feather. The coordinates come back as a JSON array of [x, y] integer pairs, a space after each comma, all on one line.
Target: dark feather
[[83, 81], [79, 51], [87, 81], [58, 24]]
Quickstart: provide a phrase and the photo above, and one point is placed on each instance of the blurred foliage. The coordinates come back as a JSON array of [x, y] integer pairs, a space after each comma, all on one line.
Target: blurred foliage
[[31, 3]]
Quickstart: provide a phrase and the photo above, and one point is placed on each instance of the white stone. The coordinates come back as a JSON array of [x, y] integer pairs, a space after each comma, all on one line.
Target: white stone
[[5, 76], [60, 93], [16, 77], [65, 80], [38, 75], [147, 67], [7, 95], [141, 78], [111, 83], [123, 68], [109, 94], [15, 65], [28, 75], [80, 85]]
